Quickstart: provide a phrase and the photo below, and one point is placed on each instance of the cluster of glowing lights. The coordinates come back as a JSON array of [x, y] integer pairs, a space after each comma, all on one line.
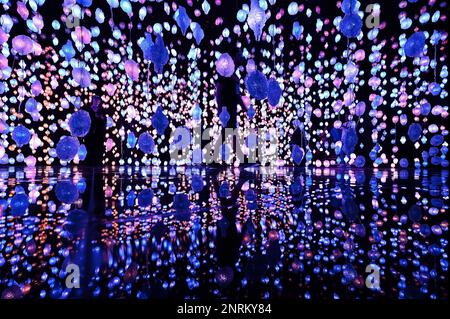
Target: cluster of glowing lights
[[361, 89], [184, 233]]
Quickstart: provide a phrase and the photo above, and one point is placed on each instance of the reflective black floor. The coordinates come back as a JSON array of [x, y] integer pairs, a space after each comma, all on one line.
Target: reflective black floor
[[223, 233]]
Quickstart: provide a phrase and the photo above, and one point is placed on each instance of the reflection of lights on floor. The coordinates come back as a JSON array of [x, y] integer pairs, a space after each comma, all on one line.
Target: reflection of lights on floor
[[223, 232]]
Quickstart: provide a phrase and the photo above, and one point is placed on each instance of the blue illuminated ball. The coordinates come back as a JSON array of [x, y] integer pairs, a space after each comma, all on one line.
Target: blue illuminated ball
[[159, 54], [146, 46], [146, 143], [21, 135], [160, 121], [349, 140], [82, 77], [145, 198], [197, 183], [131, 140], [336, 134], [66, 192], [80, 123], [76, 221], [415, 44], [85, 3], [273, 92], [348, 6], [182, 19], [82, 152], [360, 161], [256, 84], [351, 25], [414, 131], [434, 250], [19, 204], [68, 50], [425, 109], [403, 163], [437, 140], [31, 106], [67, 148], [435, 88]]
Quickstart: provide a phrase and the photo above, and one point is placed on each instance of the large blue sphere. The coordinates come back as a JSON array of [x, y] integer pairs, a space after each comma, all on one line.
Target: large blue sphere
[[80, 123], [21, 135], [256, 84], [66, 192], [349, 140], [274, 92], [145, 198], [67, 148], [415, 44], [351, 25], [414, 131], [146, 143], [19, 204], [76, 221]]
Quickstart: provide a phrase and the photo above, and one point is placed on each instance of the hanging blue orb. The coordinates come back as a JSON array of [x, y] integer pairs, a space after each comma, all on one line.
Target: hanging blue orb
[[67, 148], [68, 51], [146, 46], [297, 154], [351, 25], [251, 112], [224, 190], [19, 204], [21, 135], [403, 163], [414, 131], [159, 54], [146, 143], [415, 213], [224, 117], [415, 44], [296, 187], [197, 183], [336, 134], [66, 192], [425, 109], [435, 88], [349, 140], [85, 3], [256, 84], [82, 152], [349, 6], [31, 106], [80, 123], [437, 140], [145, 198], [273, 92], [131, 140], [182, 19], [160, 121]]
